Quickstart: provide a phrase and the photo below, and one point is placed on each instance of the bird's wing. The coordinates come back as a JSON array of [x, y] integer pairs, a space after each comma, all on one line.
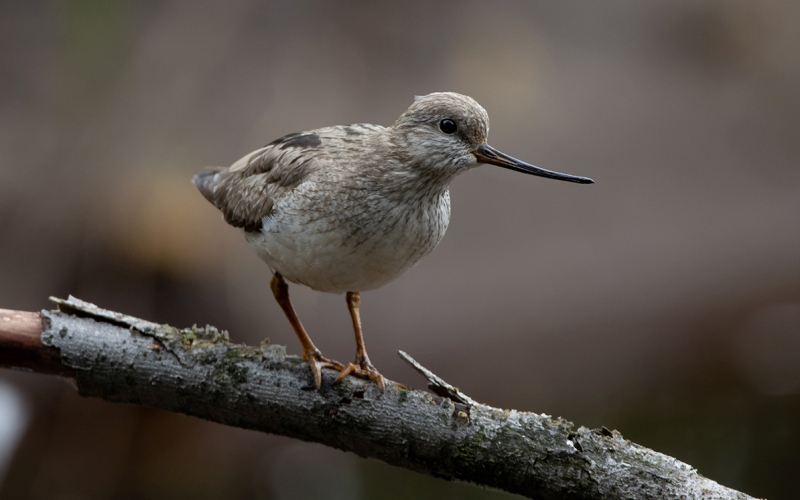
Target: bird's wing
[[245, 192]]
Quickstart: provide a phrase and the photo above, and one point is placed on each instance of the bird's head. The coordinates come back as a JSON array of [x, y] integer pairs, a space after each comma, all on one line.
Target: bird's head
[[445, 132]]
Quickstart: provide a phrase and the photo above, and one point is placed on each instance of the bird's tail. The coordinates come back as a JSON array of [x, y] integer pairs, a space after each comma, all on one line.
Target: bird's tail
[[207, 180]]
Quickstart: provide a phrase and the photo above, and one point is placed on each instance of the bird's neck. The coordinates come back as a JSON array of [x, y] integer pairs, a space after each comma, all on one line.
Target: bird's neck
[[411, 184], [417, 174]]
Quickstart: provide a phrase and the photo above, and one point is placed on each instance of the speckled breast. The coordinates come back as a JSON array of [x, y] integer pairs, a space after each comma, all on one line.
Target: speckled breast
[[353, 243]]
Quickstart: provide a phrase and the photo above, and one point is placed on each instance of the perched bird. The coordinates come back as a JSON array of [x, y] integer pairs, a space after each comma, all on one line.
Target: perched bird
[[347, 209]]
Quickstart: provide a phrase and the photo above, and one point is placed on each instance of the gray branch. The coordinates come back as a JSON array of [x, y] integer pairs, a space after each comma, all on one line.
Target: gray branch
[[198, 371]]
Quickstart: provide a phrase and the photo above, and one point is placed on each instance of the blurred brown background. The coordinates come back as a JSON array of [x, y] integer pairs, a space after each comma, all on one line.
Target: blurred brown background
[[663, 301]]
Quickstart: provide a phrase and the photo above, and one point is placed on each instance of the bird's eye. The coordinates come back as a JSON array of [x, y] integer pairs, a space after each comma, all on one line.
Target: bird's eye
[[448, 126]]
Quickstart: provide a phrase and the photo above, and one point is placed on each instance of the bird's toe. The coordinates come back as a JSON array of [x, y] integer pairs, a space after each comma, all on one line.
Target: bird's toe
[[363, 370], [317, 362]]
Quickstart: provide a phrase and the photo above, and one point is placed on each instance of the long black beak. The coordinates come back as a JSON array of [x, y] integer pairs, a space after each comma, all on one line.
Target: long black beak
[[487, 154]]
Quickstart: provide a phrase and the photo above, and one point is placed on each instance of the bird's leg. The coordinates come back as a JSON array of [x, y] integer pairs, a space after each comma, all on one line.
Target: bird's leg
[[361, 367], [310, 352]]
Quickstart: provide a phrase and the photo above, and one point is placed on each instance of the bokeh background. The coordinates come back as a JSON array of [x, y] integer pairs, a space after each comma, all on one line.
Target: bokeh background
[[663, 301]]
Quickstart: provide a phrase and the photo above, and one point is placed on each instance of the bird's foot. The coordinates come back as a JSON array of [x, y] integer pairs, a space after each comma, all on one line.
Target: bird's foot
[[362, 369], [316, 361]]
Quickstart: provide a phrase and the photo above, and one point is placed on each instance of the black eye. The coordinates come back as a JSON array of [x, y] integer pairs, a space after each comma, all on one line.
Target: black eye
[[448, 126]]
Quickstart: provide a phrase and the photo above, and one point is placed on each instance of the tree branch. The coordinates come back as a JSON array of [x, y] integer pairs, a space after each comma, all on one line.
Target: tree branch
[[198, 371]]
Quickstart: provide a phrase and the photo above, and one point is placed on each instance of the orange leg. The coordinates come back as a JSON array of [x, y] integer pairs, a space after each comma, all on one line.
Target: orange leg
[[310, 352], [362, 366]]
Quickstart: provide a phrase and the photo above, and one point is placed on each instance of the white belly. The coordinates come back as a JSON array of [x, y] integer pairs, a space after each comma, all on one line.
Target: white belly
[[334, 253]]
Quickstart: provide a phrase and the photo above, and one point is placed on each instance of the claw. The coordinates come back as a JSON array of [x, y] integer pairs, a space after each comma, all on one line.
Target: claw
[[317, 362]]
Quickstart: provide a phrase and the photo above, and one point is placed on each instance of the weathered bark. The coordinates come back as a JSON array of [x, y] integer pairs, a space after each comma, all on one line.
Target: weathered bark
[[198, 371]]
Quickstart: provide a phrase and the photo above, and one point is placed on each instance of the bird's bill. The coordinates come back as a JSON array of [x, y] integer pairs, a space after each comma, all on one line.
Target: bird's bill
[[487, 154]]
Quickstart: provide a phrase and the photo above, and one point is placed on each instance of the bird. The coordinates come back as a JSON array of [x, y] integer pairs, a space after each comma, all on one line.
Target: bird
[[348, 209]]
